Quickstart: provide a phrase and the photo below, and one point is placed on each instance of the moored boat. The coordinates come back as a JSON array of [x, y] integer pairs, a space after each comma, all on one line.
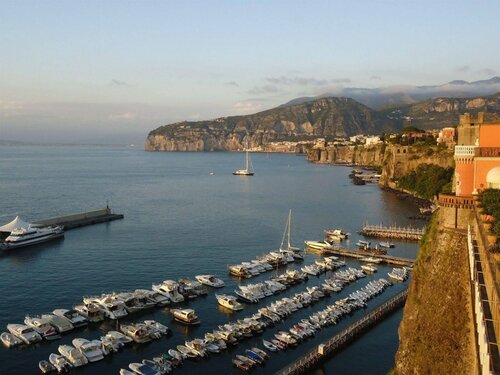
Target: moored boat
[[186, 316], [229, 302]]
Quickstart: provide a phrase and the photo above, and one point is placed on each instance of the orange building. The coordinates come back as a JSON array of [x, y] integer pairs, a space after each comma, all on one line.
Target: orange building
[[477, 155]]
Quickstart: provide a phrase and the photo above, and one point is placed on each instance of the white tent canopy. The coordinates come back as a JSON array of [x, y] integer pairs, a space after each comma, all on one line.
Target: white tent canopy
[[16, 223]]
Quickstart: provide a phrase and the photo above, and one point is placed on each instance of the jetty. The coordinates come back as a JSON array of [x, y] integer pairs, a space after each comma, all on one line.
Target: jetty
[[388, 259], [401, 233], [306, 362], [81, 219]]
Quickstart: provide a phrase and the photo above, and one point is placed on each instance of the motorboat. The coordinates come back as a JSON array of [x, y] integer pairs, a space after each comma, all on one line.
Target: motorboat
[[91, 311], [319, 245], [246, 296], [61, 324], [152, 324], [186, 316], [42, 326], [210, 280], [186, 351], [363, 244], [197, 288], [170, 289], [142, 369], [239, 271], [72, 316], [9, 340], [22, 237], [46, 367], [369, 267], [371, 260], [118, 338], [254, 356], [186, 289], [73, 355], [244, 366], [229, 302], [89, 349], [150, 295], [127, 372], [161, 367], [269, 345], [60, 363], [197, 347], [248, 170], [136, 332], [25, 333], [130, 301], [112, 307], [386, 244], [108, 345]]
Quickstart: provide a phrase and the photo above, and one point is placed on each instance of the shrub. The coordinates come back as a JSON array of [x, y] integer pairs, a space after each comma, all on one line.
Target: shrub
[[428, 180]]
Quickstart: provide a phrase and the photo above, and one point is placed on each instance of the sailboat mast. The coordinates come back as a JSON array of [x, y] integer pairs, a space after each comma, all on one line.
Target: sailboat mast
[[247, 161], [289, 225]]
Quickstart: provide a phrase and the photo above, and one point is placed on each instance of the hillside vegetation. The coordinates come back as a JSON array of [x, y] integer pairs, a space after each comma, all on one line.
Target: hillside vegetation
[[427, 180]]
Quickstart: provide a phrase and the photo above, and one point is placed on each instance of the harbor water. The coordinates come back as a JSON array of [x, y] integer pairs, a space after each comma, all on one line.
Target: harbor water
[[185, 214]]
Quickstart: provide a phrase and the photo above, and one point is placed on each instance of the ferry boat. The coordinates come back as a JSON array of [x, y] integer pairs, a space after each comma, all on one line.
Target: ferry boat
[[22, 237], [186, 316], [248, 171]]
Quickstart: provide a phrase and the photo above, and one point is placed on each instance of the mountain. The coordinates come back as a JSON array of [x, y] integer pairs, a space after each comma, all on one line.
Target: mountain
[[307, 119], [322, 117]]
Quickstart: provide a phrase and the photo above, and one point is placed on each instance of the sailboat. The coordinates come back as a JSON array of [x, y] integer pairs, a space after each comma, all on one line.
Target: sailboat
[[289, 249], [248, 171]]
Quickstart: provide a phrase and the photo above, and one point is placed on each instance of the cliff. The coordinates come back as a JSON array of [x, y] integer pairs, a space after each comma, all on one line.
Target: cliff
[[436, 335]]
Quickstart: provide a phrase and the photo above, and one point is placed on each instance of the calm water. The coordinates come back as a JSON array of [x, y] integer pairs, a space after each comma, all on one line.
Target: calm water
[[179, 221]]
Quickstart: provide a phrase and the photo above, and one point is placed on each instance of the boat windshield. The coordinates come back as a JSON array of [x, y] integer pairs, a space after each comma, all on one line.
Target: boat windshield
[[27, 330]]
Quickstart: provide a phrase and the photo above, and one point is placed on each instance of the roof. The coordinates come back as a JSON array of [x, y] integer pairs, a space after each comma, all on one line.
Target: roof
[[16, 223]]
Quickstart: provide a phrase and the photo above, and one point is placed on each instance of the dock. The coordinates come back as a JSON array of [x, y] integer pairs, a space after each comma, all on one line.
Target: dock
[[81, 219], [312, 358], [401, 233], [388, 259]]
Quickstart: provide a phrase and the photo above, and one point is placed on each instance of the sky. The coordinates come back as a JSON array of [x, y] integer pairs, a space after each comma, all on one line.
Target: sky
[[111, 71]]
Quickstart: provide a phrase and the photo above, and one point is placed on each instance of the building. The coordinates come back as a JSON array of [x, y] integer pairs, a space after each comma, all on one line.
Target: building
[[373, 140], [447, 137], [477, 155]]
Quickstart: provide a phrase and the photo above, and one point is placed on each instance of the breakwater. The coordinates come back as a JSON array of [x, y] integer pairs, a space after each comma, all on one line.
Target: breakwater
[[343, 338], [81, 219]]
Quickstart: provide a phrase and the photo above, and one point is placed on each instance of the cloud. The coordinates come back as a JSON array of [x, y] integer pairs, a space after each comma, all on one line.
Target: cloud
[[123, 116], [247, 106], [487, 71], [10, 108], [374, 78], [463, 68], [305, 81], [116, 82], [265, 89], [232, 83]]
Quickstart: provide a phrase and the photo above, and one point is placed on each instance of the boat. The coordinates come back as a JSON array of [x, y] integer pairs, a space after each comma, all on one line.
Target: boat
[[186, 316], [229, 302], [137, 332], [22, 237], [269, 345], [72, 316], [118, 338], [363, 244], [154, 297], [371, 260], [369, 267], [244, 366], [248, 171], [197, 347], [59, 362], [89, 349], [170, 289], [319, 245], [161, 367], [336, 233], [188, 353], [210, 280], [130, 302], [153, 324], [73, 355], [42, 326], [260, 352], [46, 367], [246, 296], [112, 307], [61, 324], [289, 250], [386, 244], [254, 356], [127, 372], [142, 369], [9, 340], [90, 311], [239, 271], [24, 333]]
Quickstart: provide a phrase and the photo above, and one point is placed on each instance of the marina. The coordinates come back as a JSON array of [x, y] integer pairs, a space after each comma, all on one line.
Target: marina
[[359, 254], [408, 233]]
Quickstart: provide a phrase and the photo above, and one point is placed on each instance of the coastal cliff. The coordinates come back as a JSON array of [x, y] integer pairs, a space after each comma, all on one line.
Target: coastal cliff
[[436, 335]]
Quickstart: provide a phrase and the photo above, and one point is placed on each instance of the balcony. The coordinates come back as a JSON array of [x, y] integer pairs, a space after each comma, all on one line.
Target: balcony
[[489, 152], [466, 151]]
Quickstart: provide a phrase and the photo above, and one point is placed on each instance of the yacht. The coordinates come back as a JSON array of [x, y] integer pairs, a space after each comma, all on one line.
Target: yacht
[[371, 260], [337, 233], [319, 245], [186, 316], [42, 326], [240, 271], [210, 280], [25, 333], [136, 332], [72, 316], [46, 367], [60, 363], [61, 324], [21, 237], [9, 340], [90, 311], [246, 296], [73, 355], [118, 338], [229, 301], [89, 349], [130, 301], [109, 304], [386, 244], [369, 267], [170, 289], [142, 369], [248, 171], [153, 296]]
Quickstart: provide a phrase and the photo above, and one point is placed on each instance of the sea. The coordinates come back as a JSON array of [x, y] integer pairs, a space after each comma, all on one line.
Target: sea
[[185, 214]]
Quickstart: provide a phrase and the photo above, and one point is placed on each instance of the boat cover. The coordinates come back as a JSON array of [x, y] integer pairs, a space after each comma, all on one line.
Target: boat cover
[[16, 223]]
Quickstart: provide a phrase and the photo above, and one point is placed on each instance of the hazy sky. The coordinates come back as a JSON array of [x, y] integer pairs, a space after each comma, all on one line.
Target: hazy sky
[[110, 71]]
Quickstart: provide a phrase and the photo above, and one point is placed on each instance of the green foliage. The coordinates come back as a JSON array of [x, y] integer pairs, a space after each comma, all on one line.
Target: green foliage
[[490, 200], [428, 180], [411, 129]]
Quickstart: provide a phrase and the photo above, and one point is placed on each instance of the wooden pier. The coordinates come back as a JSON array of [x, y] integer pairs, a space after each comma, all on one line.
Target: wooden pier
[[400, 233], [305, 363], [81, 219], [387, 259]]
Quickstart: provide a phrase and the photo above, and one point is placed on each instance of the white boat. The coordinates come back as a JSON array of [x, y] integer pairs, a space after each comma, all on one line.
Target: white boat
[[142, 369], [73, 355], [170, 289], [118, 338], [158, 298], [186, 316], [239, 270], [248, 171], [22, 237], [269, 345], [197, 347], [337, 233], [319, 245], [210, 280], [42, 326], [246, 296], [89, 349], [72, 316], [369, 267], [61, 324], [59, 362], [136, 332], [46, 367], [229, 302], [386, 244], [25, 333], [91, 311], [130, 301], [371, 260], [109, 304], [9, 340], [153, 324]]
